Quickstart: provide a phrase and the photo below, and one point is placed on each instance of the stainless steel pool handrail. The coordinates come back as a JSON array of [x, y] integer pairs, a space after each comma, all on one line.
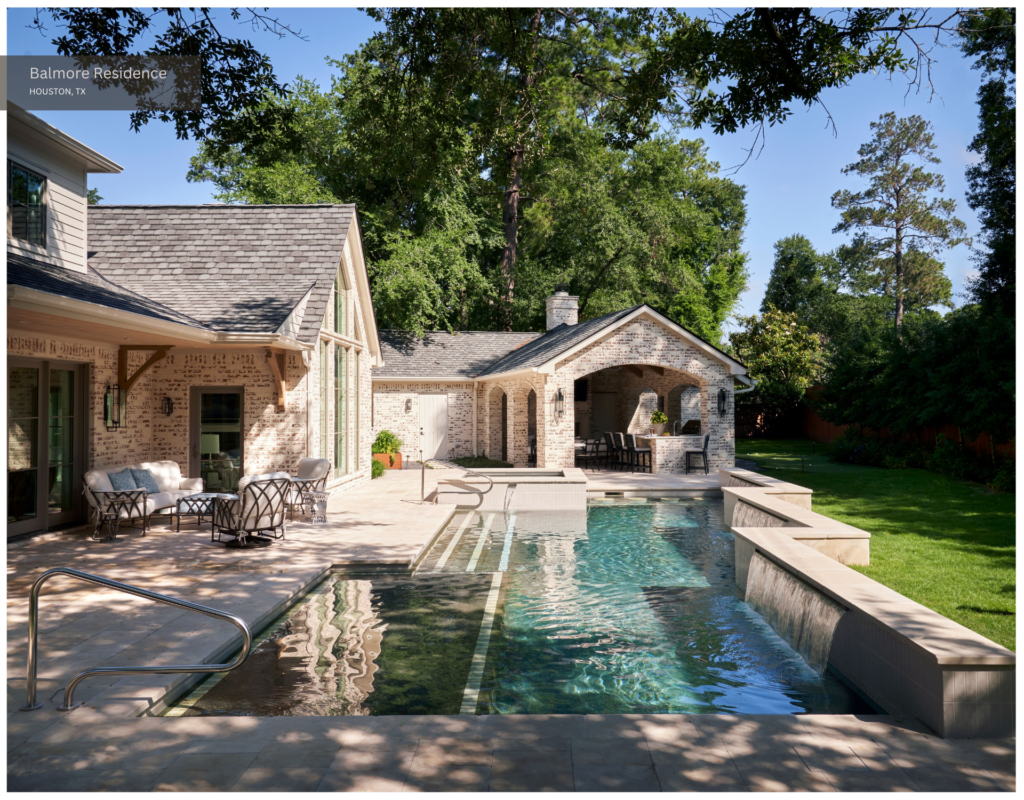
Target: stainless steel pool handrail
[[33, 633], [450, 465]]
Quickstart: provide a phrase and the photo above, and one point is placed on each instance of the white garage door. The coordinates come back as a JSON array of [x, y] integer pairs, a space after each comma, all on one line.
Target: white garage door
[[434, 425]]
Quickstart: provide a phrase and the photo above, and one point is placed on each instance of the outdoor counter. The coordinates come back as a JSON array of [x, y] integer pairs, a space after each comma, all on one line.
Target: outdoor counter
[[667, 451]]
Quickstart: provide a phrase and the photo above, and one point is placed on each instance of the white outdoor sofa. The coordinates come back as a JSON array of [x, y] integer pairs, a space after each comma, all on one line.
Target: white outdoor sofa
[[110, 507]]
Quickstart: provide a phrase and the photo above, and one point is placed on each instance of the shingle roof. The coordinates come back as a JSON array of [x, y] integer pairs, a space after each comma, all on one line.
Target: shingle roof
[[445, 355], [555, 341], [232, 267], [89, 287]]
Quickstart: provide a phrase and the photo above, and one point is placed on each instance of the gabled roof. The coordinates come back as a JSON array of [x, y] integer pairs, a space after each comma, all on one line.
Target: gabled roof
[[445, 355], [89, 287], [94, 162], [564, 340], [235, 268], [554, 343]]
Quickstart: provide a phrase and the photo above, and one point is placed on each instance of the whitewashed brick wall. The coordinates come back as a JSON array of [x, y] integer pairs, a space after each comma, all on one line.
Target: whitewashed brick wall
[[390, 399]]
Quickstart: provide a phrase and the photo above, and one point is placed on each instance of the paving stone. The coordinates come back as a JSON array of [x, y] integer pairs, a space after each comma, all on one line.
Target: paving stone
[[689, 776], [611, 752], [113, 780], [956, 779], [531, 771], [203, 772], [452, 754], [430, 778], [539, 726], [615, 778]]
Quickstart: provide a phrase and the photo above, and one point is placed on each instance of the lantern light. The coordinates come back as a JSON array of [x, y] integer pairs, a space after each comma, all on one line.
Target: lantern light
[[115, 411], [167, 406]]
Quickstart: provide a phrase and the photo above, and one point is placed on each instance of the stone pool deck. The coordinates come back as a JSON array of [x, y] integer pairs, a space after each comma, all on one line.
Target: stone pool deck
[[112, 744]]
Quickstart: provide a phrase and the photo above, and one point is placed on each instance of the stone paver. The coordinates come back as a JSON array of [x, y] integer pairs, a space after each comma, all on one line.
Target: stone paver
[[106, 746]]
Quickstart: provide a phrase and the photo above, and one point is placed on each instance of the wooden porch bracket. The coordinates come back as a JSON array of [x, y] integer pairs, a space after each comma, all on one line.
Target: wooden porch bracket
[[277, 360], [123, 379], [657, 370], [638, 371]]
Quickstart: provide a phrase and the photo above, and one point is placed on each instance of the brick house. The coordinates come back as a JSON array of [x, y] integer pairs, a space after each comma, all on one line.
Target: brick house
[[525, 397], [201, 334]]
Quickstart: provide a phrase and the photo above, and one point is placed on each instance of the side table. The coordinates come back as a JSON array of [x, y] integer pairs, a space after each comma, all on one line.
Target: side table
[[314, 506]]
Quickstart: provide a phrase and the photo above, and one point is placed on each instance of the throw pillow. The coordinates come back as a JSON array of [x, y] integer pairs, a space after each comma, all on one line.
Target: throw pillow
[[145, 479], [122, 481]]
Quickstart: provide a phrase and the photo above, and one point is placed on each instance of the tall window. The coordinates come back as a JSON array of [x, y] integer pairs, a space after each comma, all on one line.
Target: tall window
[[340, 411], [341, 311], [324, 377], [357, 357], [26, 205]]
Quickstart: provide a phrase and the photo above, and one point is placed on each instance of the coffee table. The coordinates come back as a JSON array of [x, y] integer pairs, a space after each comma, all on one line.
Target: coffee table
[[196, 505]]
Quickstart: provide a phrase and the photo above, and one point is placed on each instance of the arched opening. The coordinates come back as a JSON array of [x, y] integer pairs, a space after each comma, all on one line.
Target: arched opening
[[531, 426], [623, 398], [684, 409]]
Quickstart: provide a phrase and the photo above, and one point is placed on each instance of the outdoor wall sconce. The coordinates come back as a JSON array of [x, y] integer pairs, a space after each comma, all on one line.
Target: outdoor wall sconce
[[559, 404], [115, 408], [408, 405], [723, 402], [167, 406]]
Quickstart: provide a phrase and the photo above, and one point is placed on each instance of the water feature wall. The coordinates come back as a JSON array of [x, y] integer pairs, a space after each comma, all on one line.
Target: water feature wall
[[748, 516], [801, 615]]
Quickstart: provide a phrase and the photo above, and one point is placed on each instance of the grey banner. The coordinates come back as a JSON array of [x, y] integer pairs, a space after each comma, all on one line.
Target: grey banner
[[101, 83]]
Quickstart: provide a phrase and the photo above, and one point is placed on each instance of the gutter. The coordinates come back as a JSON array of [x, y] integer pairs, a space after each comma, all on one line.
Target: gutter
[[26, 299], [753, 385]]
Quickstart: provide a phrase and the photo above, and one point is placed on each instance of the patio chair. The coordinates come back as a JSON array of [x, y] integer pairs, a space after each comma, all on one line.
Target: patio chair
[[639, 457], [612, 455], [312, 477], [589, 454], [621, 452], [259, 509], [703, 453]]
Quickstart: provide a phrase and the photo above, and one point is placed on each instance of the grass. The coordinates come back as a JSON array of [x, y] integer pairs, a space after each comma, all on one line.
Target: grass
[[945, 543], [479, 462]]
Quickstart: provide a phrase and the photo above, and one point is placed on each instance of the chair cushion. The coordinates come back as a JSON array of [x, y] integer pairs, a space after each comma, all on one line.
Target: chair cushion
[[98, 481], [122, 481], [145, 479], [312, 468], [166, 473]]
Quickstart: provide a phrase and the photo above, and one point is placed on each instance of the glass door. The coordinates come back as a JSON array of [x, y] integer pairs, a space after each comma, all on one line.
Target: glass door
[[217, 438], [23, 449], [43, 445]]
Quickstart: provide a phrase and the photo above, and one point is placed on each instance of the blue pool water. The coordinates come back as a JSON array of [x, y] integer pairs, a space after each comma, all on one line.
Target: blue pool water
[[630, 606]]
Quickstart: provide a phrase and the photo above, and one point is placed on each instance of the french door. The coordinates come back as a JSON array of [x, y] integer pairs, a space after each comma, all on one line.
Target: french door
[[216, 437], [45, 444]]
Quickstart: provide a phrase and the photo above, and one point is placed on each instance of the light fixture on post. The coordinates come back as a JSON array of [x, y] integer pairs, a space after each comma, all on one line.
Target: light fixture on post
[[408, 405], [115, 408], [723, 402], [559, 405], [167, 406]]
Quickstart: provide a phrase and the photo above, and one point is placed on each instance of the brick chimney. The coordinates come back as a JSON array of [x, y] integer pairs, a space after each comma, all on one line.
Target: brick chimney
[[563, 309]]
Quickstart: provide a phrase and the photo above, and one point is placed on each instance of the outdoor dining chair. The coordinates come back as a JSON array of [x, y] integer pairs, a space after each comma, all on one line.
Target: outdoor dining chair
[[703, 453]]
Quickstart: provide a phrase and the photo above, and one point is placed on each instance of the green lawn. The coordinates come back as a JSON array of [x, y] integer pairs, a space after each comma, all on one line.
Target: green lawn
[[946, 543]]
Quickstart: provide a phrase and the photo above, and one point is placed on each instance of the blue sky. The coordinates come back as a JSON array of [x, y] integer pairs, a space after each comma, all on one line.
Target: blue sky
[[789, 185]]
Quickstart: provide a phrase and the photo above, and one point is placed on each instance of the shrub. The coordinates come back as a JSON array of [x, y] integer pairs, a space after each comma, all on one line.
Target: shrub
[[387, 442], [376, 469], [946, 458], [659, 418]]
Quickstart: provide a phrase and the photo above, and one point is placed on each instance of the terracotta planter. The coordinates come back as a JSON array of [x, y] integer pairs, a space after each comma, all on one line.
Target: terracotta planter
[[390, 461]]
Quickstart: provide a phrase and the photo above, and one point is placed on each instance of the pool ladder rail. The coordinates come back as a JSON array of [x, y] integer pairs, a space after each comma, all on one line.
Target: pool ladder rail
[[32, 704], [449, 465]]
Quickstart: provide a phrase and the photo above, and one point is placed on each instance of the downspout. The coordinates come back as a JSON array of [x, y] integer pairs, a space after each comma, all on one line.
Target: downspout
[[753, 385]]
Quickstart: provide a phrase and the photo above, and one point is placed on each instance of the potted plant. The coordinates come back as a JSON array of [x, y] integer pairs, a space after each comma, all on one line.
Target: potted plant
[[385, 450], [658, 422]]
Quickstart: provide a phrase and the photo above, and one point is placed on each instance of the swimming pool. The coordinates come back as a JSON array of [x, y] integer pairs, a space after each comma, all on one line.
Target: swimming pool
[[630, 606]]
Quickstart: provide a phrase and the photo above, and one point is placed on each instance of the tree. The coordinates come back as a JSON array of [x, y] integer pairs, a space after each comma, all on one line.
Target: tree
[[93, 197], [991, 36], [781, 354], [896, 212], [795, 282], [235, 75]]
